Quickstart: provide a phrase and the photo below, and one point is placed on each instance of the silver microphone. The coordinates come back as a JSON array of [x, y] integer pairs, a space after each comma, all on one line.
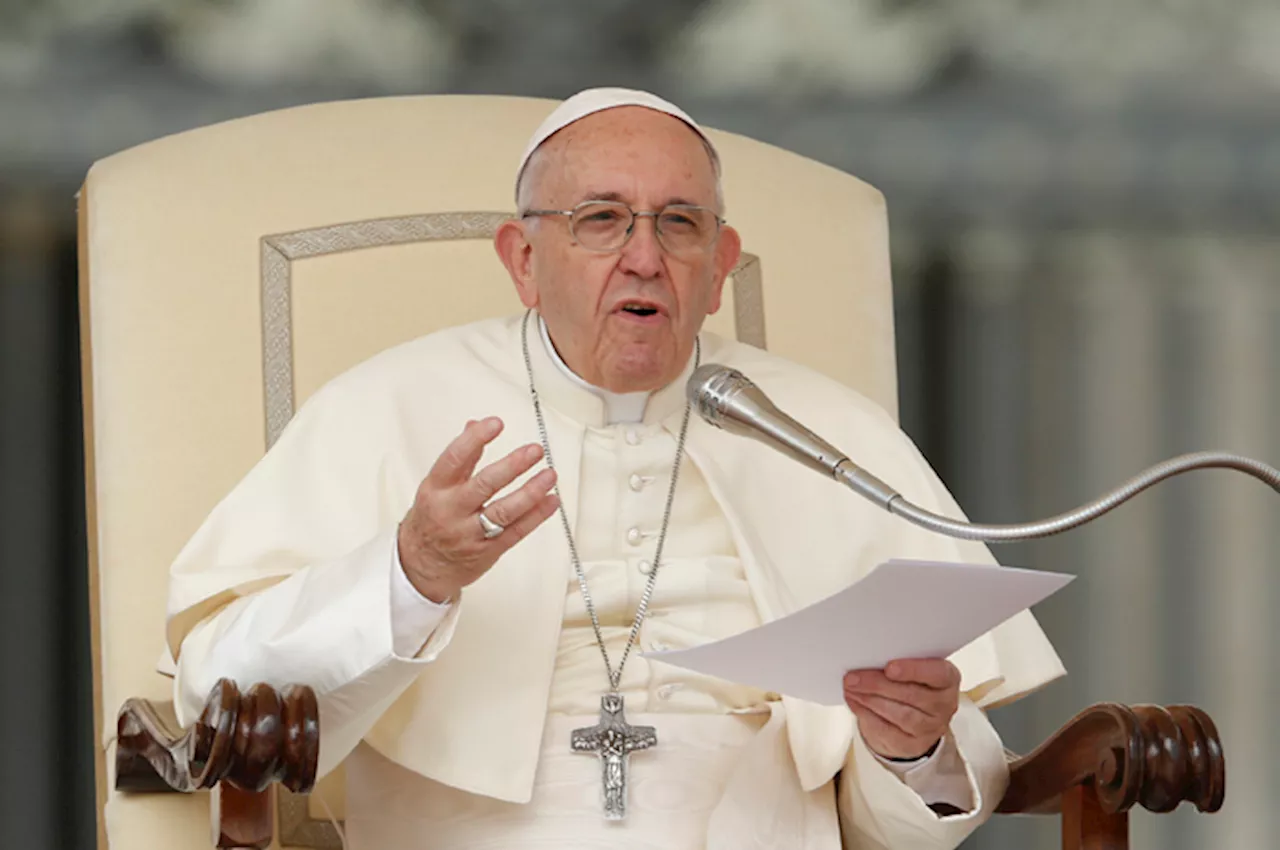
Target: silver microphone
[[729, 400]]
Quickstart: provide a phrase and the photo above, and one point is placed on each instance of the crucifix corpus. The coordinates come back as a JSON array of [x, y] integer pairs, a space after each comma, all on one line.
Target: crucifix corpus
[[613, 740]]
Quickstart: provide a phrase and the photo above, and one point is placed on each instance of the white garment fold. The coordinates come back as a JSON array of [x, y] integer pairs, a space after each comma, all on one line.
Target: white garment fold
[[326, 625], [263, 593], [673, 789], [939, 778]]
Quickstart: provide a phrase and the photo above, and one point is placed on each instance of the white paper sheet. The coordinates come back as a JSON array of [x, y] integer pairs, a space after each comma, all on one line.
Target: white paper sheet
[[901, 609]]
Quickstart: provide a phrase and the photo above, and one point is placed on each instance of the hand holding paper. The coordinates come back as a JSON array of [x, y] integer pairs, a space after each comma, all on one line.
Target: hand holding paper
[[904, 710], [900, 610]]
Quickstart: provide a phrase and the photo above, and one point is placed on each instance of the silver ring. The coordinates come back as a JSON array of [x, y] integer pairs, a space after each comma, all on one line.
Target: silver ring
[[488, 527]]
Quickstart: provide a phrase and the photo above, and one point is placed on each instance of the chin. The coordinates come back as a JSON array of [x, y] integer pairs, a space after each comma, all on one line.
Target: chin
[[640, 367], [632, 377]]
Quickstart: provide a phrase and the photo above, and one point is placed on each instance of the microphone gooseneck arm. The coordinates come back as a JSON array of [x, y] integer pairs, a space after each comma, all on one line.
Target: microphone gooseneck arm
[[729, 400], [873, 488]]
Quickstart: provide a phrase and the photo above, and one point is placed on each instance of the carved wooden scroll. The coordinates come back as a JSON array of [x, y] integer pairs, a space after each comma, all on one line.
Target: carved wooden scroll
[[1112, 757], [239, 746]]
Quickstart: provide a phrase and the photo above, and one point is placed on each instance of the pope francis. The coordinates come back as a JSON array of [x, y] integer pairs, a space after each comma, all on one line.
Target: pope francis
[[467, 543]]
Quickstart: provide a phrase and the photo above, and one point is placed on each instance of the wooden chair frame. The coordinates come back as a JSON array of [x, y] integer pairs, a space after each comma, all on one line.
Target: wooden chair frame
[[1097, 767]]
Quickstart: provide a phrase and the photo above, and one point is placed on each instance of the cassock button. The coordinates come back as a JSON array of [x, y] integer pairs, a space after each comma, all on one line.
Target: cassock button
[[634, 537], [644, 567], [636, 483], [633, 437]]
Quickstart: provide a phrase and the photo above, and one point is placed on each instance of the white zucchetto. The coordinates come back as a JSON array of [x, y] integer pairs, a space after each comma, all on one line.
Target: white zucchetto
[[590, 101]]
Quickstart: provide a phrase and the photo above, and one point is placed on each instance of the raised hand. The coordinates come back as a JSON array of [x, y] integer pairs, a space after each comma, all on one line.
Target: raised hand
[[442, 543], [906, 708]]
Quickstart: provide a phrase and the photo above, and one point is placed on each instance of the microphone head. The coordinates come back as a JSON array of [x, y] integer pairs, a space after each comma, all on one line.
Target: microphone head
[[730, 400], [712, 387]]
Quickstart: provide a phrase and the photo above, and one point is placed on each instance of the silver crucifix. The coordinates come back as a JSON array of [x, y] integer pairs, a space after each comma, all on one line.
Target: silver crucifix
[[613, 741]]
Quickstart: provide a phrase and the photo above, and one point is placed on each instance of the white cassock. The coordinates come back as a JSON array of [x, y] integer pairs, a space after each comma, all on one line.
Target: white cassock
[[454, 721]]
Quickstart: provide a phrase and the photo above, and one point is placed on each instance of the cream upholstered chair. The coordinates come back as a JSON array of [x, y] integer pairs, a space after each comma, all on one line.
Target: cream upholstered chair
[[228, 272]]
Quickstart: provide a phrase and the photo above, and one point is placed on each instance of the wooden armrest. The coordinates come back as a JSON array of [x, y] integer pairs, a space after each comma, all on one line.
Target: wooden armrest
[[1111, 757], [248, 740], [238, 746], [1147, 754], [1093, 770]]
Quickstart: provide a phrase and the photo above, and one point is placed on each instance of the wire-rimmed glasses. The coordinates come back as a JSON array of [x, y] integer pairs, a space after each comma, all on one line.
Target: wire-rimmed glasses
[[605, 226]]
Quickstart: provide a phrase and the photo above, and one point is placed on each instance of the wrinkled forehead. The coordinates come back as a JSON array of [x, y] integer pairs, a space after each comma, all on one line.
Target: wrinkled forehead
[[627, 149]]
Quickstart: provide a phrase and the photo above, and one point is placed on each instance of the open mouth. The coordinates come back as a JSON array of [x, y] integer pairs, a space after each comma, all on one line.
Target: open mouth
[[639, 308]]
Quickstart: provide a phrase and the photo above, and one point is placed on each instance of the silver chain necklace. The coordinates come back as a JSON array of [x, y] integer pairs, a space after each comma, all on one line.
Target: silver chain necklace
[[612, 739]]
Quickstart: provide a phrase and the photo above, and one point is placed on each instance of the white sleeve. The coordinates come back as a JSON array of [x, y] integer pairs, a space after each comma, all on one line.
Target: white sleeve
[[328, 625], [881, 809], [940, 778], [414, 617]]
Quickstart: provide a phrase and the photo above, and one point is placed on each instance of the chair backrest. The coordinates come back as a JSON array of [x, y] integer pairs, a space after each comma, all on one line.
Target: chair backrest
[[229, 271]]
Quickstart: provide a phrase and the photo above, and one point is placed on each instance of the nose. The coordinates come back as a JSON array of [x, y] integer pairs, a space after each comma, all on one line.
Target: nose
[[642, 255]]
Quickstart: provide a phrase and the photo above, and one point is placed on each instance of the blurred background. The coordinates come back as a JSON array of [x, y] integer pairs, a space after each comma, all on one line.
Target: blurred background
[[1084, 203]]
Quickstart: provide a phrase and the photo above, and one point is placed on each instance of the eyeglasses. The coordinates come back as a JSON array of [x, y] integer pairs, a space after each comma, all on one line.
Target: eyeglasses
[[605, 226]]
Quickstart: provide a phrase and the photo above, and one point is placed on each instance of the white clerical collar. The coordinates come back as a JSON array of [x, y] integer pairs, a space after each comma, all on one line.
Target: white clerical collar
[[560, 388], [618, 407]]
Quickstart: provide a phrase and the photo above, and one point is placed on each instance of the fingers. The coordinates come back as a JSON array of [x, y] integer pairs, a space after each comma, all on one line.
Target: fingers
[[442, 544], [899, 676], [907, 719], [875, 682], [934, 702], [496, 476], [904, 718], [459, 459], [531, 519], [888, 739], [508, 510], [935, 673]]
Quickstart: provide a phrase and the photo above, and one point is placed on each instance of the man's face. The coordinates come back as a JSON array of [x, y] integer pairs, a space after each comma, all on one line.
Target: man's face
[[647, 160]]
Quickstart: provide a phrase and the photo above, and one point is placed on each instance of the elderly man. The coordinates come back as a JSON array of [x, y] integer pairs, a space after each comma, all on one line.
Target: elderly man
[[480, 669]]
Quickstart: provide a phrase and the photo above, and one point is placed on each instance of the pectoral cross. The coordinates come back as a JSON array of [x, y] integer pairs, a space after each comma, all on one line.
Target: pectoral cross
[[613, 741]]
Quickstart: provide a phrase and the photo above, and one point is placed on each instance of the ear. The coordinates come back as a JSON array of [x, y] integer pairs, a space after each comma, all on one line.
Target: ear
[[727, 251], [516, 252]]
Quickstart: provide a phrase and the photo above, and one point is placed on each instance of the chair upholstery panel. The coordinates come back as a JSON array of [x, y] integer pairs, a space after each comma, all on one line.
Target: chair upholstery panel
[[179, 235]]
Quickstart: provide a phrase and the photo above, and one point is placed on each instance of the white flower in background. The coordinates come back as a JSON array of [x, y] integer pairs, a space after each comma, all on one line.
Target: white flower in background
[[843, 46]]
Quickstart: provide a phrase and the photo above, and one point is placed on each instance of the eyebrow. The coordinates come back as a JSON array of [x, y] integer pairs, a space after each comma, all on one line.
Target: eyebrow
[[617, 197]]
